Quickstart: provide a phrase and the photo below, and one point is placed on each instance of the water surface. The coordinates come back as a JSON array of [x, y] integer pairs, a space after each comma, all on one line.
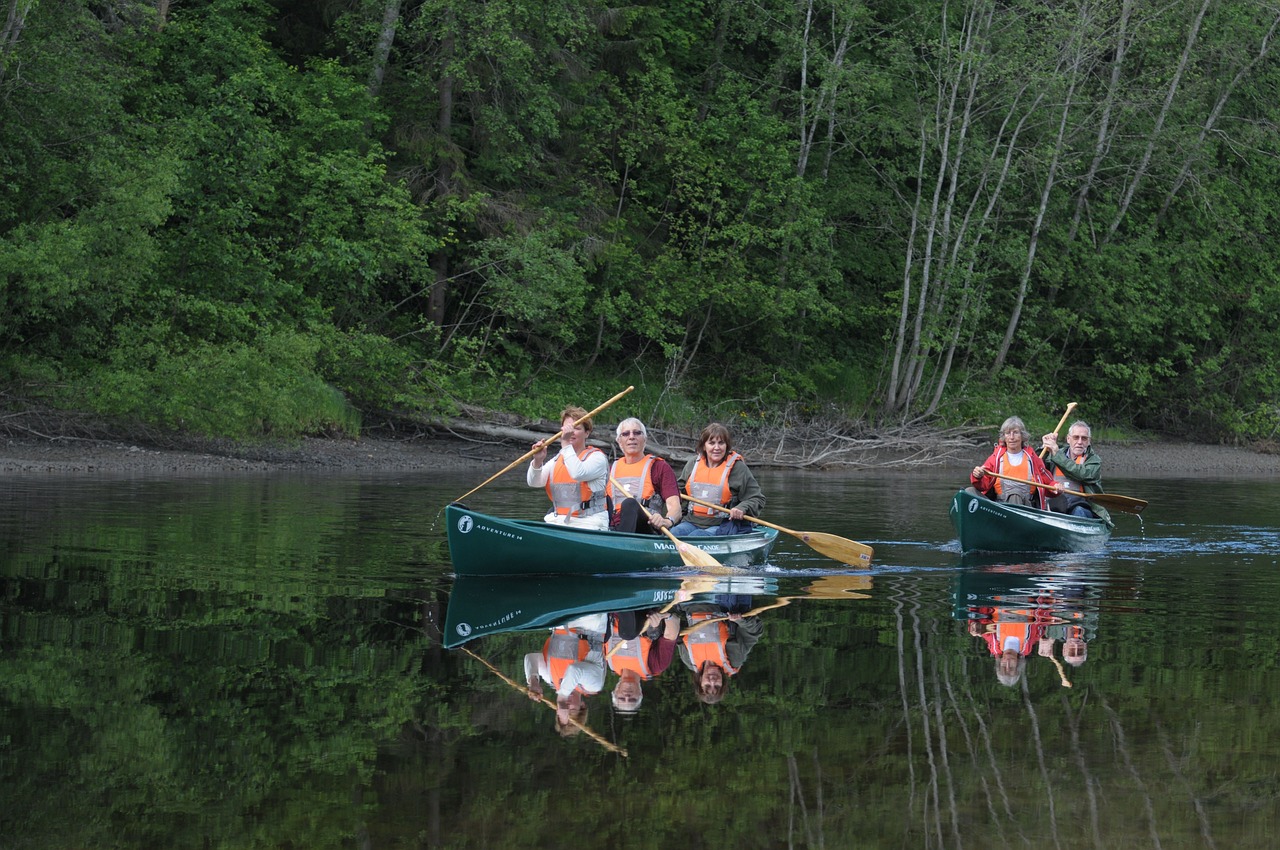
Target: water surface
[[256, 661]]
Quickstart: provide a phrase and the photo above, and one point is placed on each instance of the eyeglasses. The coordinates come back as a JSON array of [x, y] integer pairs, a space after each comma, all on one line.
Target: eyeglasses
[[631, 433], [1083, 437]]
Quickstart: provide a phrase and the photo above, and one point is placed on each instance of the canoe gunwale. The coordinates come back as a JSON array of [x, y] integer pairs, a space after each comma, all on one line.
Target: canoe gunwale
[[482, 544]]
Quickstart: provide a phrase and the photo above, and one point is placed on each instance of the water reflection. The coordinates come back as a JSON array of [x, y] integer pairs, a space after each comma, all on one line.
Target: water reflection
[[626, 629], [1018, 611], [262, 663]]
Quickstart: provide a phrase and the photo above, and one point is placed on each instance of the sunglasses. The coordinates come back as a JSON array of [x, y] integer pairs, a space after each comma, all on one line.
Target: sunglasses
[[631, 433]]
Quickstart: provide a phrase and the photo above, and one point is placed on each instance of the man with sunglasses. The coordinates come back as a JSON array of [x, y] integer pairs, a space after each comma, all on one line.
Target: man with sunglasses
[[648, 478], [1077, 467]]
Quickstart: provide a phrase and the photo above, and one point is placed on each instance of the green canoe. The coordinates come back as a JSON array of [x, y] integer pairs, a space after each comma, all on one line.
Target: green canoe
[[483, 545], [988, 526], [486, 605]]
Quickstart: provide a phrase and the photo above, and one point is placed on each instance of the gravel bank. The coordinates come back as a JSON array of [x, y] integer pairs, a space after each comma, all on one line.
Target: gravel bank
[[81, 456]]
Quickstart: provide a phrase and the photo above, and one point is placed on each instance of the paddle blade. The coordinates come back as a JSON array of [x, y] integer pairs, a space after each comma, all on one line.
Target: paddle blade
[[1115, 502], [695, 557], [838, 548]]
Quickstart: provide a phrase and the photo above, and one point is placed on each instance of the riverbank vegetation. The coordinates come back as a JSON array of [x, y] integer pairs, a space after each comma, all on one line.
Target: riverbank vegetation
[[239, 218]]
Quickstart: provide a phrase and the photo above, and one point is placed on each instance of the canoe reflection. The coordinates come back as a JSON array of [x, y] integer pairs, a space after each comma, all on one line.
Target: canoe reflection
[[630, 629], [1020, 610]]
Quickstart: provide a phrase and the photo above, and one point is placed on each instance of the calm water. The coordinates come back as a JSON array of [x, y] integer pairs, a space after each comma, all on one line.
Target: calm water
[[257, 662]]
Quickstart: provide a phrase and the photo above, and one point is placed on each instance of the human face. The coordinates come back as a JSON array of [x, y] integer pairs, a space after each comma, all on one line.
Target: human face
[[626, 694], [716, 449], [712, 679], [1078, 441], [576, 436], [1013, 440], [631, 440]]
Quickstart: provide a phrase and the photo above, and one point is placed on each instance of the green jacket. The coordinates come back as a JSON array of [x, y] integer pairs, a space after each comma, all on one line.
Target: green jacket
[[1087, 475]]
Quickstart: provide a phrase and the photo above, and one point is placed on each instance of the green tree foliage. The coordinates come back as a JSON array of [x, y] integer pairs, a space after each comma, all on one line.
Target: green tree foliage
[[895, 208]]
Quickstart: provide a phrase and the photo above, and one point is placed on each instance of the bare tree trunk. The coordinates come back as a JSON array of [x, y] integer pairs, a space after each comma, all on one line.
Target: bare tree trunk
[[967, 290], [1140, 172], [1046, 190], [951, 125], [1102, 143], [444, 179], [14, 22], [823, 111], [382, 50], [1211, 121]]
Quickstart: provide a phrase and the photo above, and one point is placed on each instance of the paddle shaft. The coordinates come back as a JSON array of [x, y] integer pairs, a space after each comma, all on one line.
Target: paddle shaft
[[782, 601], [540, 446], [692, 556], [596, 736], [1044, 453], [834, 547], [1125, 504]]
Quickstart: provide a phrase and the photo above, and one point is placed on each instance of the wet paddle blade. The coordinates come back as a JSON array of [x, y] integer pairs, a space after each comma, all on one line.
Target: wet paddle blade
[[694, 557], [838, 548], [1116, 502]]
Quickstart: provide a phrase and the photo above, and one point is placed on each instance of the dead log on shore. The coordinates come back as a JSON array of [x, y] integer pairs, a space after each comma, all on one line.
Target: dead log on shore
[[803, 447]]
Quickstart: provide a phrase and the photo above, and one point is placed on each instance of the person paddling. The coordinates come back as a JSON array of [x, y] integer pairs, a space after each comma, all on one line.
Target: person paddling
[[1012, 458], [648, 478], [575, 478]]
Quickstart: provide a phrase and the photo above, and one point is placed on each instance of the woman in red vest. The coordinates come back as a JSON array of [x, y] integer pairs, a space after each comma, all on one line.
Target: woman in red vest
[[1013, 458], [718, 474]]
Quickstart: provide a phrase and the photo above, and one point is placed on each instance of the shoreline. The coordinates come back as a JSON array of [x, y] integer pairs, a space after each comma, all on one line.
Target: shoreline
[[80, 456]]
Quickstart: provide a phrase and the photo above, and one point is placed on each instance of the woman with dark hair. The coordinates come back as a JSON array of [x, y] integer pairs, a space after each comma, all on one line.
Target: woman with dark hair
[[718, 474]]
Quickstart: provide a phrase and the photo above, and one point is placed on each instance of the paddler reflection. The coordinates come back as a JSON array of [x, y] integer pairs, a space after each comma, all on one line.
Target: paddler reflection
[[640, 648], [572, 662], [719, 635], [1025, 609]]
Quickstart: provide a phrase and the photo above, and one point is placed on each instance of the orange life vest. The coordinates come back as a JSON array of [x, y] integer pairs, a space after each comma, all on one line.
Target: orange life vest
[[563, 648], [569, 496], [1014, 470], [633, 656], [711, 484], [708, 643], [1061, 477], [635, 477]]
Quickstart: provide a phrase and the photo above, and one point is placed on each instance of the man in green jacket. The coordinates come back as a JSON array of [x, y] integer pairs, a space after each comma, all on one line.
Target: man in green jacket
[[1077, 467]]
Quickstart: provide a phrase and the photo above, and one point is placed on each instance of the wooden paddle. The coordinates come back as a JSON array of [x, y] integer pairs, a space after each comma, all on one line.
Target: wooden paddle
[[540, 446], [595, 736], [1062, 674], [692, 556], [1113, 501], [691, 585], [833, 546], [1044, 453], [781, 602]]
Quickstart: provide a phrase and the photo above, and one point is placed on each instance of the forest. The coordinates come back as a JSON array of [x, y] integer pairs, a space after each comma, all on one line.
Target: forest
[[247, 218]]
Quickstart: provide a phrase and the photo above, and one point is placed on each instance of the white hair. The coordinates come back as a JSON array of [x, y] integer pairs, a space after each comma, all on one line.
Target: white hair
[[630, 425]]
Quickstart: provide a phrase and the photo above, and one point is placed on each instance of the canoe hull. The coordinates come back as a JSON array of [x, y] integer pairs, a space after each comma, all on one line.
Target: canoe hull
[[984, 525], [486, 605], [484, 545]]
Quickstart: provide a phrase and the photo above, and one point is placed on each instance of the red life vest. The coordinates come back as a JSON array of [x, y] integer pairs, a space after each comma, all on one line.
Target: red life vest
[[569, 496], [711, 484], [708, 643], [635, 477]]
